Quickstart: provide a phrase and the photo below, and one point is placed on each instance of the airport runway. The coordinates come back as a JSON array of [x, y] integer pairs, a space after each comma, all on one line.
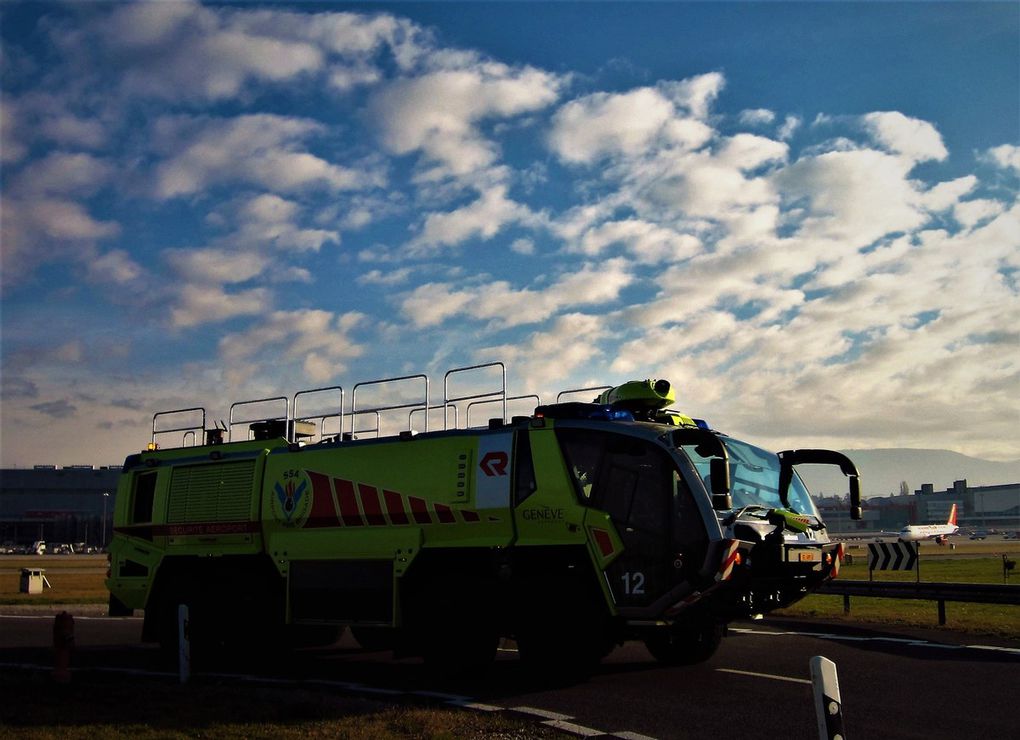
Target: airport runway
[[895, 684]]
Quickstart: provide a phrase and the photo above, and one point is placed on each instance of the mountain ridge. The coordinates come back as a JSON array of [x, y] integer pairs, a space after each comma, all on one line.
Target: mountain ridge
[[883, 469]]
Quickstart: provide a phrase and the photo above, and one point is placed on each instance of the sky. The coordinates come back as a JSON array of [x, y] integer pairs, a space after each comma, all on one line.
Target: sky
[[804, 215]]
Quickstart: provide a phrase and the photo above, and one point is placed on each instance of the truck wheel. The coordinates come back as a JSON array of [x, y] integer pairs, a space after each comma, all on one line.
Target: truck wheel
[[686, 643], [374, 638], [460, 642]]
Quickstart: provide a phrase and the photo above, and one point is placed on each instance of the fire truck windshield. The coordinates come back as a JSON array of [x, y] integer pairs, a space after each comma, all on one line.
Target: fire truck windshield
[[754, 477]]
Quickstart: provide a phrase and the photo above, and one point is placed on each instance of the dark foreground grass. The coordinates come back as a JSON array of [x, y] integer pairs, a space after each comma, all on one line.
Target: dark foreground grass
[[109, 706]]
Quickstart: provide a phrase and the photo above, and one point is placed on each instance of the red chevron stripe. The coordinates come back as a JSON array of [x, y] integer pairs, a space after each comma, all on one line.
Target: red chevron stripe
[[324, 512], [349, 513], [469, 516], [395, 507], [445, 514], [419, 510], [369, 496]]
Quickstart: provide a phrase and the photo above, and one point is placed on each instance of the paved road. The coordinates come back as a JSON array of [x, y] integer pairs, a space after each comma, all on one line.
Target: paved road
[[907, 684]]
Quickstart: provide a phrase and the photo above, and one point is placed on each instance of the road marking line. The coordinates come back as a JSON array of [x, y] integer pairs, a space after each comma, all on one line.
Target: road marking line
[[573, 729], [765, 675], [477, 706], [628, 735], [545, 713], [451, 698], [913, 642]]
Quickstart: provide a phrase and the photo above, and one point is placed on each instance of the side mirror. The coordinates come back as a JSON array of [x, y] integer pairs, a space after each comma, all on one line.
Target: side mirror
[[720, 471], [789, 458], [855, 498]]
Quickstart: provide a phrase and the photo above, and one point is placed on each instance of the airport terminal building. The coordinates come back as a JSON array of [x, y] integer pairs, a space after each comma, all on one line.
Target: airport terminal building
[[69, 505], [978, 508]]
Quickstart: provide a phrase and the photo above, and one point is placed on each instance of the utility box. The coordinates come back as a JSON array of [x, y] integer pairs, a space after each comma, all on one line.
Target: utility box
[[33, 580]]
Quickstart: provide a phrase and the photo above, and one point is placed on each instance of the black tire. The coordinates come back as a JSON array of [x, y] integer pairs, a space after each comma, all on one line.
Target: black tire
[[460, 641], [297, 636], [374, 638], [686, 643]]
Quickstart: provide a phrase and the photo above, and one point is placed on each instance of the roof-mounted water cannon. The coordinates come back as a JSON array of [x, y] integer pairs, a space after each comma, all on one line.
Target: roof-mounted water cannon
[[641, 397]]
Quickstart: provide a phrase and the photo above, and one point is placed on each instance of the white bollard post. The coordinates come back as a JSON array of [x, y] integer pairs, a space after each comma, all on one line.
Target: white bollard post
[[183, 643], [828, 705]]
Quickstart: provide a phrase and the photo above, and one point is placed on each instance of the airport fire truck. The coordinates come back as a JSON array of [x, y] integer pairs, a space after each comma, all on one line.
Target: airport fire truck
[[569, 529]]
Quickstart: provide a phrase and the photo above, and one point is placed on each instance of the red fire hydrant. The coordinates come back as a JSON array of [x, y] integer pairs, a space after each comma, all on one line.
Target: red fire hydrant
[[63, 644]]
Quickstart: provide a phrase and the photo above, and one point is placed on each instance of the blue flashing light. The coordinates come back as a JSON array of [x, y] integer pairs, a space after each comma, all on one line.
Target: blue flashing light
[[702, 424], [608, 413]]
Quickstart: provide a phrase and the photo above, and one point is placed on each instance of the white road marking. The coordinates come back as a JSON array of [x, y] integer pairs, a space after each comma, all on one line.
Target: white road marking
[[573, 729], [628, 735], [765, 675], [544, 713], [913, 642]]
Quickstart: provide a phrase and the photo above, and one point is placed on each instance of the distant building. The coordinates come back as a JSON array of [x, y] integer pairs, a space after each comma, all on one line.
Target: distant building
[[55, 504], [979, 507]]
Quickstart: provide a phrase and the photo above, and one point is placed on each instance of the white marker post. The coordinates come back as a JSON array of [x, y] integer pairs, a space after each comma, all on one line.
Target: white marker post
[[183, 643], [828, 706]]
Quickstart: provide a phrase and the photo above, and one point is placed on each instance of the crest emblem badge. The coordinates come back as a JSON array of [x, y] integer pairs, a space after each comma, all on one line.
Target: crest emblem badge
[[292, 498]]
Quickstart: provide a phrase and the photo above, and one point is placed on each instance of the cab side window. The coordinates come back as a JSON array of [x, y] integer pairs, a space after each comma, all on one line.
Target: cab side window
[[582, 451], [636, 486], [142, 497]]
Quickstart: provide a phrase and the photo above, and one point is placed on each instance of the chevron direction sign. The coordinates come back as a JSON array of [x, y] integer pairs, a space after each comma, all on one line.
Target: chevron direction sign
[[892, 556]]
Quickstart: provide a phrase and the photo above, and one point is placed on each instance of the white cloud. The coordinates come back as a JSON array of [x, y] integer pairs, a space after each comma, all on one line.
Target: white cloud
[[915, 139], [789, 127], [272, 220], [971, 212], [523, 246], [260, 149], [46, 229], [853, 197], [945, 194], [216, 266], [318, 341], [433, 303], [208, 303], [482, 218], [1006, 156], [63, 173], [646, 242], [438, 113], [606, 124], [116, 267], [696, 94], [548, 357], [385, 278], [756, 117], [14, 147]]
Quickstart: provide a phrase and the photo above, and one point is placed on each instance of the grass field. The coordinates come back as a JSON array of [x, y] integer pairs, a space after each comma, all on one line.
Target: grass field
[[971, 562]]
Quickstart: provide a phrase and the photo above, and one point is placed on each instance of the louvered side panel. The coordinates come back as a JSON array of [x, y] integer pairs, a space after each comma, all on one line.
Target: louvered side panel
[[211, 493]]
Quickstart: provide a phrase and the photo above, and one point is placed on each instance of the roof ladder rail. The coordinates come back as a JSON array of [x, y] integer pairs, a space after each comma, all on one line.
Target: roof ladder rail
[[294, 433], [500, 395], [538, 402], [232, 422], [422, 409], [390, 407], [596, 390], [192, 428]]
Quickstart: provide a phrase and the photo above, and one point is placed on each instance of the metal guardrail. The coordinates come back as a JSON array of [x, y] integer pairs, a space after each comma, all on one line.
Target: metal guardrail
[[975, 593]]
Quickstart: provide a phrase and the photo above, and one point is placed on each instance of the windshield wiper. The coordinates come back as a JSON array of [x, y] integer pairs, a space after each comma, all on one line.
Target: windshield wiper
[[743, 509]]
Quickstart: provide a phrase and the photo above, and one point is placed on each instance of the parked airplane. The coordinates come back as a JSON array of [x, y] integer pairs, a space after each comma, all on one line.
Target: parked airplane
[[938, 532]]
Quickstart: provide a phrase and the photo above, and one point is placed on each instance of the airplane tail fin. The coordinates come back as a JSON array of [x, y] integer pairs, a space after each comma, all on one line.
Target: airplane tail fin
[[952, 516]]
